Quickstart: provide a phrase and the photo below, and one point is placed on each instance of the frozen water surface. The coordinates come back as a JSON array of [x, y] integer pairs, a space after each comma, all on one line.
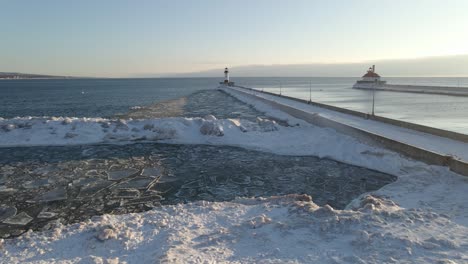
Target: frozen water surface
[[164, 174], [40, 186]]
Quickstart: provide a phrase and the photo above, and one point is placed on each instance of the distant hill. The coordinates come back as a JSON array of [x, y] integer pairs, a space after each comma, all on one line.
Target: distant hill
[[17, 75], [444, 66]]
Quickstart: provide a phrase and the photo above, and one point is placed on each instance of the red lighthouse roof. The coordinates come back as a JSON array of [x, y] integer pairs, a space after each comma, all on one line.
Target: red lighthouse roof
[[371, 74]]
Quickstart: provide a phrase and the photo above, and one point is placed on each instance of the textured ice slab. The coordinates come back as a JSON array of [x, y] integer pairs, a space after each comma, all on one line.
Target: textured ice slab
[[19, 219], [36, 183], [6, 212], [54, 195], [137, 183], [125, 193], [121, 174], [46, 215], [151, 172], [94, 187]]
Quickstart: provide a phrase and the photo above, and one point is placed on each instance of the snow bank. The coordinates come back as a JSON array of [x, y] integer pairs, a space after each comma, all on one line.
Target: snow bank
[[288, 229], [34, 131]]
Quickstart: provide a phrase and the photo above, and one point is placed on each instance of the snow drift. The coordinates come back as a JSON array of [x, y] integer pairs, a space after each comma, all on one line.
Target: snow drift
[[286, 229]]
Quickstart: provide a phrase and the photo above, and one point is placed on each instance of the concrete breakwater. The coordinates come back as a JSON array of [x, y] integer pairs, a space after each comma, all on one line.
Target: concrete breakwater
[[443, 90], [412, 149]]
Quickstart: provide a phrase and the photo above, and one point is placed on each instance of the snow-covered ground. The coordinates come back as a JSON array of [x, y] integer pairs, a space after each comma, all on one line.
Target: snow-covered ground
[[422, 217]]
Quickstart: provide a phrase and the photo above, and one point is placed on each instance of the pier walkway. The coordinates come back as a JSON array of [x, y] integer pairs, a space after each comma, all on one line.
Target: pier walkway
[[434, 146]]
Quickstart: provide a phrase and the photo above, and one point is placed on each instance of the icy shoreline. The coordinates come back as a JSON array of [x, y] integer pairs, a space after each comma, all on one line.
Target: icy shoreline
[[422, 217]]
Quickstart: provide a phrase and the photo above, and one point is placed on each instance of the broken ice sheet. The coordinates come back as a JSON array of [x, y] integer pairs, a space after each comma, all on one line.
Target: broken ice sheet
[[125, 193], [93, 188], [6, 212], [46, 215], [121, 174], [151, 172], [137, 183], [19, 219], [36, 183], [54, 195]]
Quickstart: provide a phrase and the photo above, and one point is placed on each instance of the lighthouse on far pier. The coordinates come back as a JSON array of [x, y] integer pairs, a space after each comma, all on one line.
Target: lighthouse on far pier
[[226, 81], [370, 80]]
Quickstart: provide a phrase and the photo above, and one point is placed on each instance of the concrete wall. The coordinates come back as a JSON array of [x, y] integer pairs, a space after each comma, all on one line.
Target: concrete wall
[[408, 150]]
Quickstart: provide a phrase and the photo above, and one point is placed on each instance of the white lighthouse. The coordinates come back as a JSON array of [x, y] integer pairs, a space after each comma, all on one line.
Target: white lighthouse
[[226, 81], [226, 75]]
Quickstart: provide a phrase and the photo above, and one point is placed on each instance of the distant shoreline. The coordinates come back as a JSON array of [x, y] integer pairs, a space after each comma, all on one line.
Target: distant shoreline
[[49, 78]]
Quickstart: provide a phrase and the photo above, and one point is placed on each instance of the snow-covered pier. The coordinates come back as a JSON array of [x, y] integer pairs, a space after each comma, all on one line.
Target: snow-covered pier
[[428, 144], [443, 90]]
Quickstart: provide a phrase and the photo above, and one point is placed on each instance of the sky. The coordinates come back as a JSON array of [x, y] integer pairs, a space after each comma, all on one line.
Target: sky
[[116, 38]]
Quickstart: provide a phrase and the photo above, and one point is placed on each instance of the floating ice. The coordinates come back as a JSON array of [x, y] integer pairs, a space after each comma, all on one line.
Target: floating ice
[[151, 172], [6, 212], [93, 188], [137, 183], [36, 183], [19, 219], [46, 215], [125, 193], [121, 174], [54, 195]]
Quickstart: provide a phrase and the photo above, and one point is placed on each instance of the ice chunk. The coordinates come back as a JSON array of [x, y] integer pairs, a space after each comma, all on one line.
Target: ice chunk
[[121, 174], [36, 183], [46, 215], [83, 181], [93, 188], [54, 195], [19, 219], [126, 193], [151, 172], [6, 212], [137, 183]]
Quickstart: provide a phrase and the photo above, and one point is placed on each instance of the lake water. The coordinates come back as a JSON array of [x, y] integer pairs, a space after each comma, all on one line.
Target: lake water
[[110, 97]]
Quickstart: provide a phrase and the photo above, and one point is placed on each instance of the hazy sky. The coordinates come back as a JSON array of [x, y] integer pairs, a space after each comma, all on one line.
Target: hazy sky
[[137, 38]]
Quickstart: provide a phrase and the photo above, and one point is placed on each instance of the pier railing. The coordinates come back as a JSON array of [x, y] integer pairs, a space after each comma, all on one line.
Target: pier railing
[[430, 157]]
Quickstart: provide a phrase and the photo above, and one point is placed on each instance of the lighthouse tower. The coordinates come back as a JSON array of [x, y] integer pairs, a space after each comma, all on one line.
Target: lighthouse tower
[[226, 75], [226, 81]]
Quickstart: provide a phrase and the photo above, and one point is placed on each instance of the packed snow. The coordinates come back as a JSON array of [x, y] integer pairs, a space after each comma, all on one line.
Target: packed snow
[[422, 217]]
